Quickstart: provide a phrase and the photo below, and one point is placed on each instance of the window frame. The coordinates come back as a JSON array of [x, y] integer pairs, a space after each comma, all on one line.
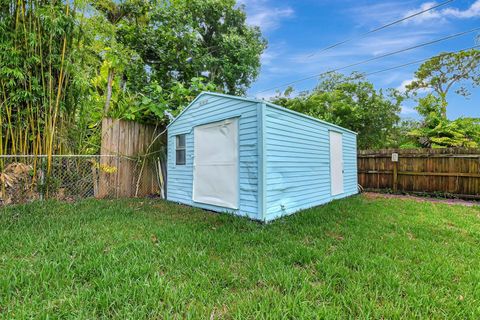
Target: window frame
[[179, 147]]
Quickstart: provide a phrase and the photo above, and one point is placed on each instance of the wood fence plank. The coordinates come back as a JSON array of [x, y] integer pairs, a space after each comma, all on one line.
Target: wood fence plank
[[450, 170], [127, 142]]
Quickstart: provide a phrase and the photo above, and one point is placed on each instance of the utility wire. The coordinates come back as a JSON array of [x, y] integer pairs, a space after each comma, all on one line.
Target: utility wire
[[373, 59], [362, 75], [361, 36]]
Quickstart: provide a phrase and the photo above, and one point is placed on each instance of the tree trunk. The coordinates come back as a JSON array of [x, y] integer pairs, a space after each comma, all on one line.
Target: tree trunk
[[443, 107], [111, 74]]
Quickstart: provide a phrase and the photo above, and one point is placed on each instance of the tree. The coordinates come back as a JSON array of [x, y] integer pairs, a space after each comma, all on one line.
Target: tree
[[185, 39], [154, 103], [400, 135], [44, 75], [442, 72], [438, 76], [351, 102], [156, 49], [115, 55], [436, 131], [439, 132], [66, 64]]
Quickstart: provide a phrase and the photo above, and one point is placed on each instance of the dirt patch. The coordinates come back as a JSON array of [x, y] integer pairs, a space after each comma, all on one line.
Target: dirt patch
[[335, 235], [374, 195]]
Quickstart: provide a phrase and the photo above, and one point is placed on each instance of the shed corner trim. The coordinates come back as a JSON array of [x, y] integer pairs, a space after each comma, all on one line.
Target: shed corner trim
[[262, 197]]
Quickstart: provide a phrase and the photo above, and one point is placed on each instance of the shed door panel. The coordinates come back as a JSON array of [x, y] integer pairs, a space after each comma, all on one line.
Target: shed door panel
[[215, 168], [336, 162]]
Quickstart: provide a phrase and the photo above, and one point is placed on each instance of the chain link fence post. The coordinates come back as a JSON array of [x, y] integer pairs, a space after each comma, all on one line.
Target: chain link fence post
[[42, 179]]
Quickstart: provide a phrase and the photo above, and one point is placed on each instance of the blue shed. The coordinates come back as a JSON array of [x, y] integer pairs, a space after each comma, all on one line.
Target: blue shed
[[256, 159]]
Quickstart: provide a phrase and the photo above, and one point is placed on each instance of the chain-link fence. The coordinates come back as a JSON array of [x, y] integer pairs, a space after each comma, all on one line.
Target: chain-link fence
[[72, 177]]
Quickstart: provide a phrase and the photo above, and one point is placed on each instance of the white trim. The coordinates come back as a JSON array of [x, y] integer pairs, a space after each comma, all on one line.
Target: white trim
[[261, 165], [337, 181]]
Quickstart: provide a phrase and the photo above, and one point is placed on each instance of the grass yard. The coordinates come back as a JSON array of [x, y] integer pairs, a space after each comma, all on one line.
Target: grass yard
[[353, 258]]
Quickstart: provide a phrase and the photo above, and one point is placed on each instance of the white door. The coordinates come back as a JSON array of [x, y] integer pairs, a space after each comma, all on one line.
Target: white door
[[336, 163], [215, 164]]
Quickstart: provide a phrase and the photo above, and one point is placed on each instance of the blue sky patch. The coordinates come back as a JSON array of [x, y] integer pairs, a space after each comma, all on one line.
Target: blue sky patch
[[297, 31]]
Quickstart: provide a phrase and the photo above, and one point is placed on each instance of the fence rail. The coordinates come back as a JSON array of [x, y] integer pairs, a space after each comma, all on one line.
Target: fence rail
[[131, 139], [25, 178], [450, 171]]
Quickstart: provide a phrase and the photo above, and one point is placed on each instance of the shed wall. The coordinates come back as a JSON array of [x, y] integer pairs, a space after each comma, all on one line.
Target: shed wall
[[207, 109], [297, 164]]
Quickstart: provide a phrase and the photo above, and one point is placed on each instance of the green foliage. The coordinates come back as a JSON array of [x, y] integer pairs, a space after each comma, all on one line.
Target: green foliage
[[438, 76], [153, 102], [446, 71], [161, 54], [44, 73], [400, 135], [439, 132], [351, 102], [183, 39], [436, 131], [66, 64]]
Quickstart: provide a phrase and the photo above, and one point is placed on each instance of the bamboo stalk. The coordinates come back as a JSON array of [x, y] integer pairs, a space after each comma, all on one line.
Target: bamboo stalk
[[42, 47]]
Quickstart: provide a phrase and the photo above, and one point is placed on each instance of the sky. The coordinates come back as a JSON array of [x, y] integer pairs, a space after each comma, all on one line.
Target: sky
[[297, 30]]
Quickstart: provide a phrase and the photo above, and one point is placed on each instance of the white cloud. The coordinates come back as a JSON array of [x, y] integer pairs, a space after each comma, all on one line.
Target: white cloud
[[392, 77], [374, 15], [285, 63], [407, 110], [403, 86], [440, 15], [471, 12], [426, 16], [264, 14], [358, 51], [268, 56], [377, 13]]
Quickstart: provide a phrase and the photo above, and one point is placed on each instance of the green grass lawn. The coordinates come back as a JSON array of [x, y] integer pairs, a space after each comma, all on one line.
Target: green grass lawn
[[353, 258]]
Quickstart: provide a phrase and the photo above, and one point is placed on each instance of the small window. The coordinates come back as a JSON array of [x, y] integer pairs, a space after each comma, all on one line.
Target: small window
[[180, 151]]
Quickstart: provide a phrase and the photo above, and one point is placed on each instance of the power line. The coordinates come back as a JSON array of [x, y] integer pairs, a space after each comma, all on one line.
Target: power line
[[409, 48], [372, 59], [403, 65], [361, 36], [362, 75]]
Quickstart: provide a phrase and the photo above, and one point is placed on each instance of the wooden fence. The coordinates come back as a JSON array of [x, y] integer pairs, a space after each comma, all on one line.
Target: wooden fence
[[449, 171], [133, 168]]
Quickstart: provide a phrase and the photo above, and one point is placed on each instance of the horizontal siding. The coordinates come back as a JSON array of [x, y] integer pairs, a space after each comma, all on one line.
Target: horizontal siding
[[180, 178], [298, 162]]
